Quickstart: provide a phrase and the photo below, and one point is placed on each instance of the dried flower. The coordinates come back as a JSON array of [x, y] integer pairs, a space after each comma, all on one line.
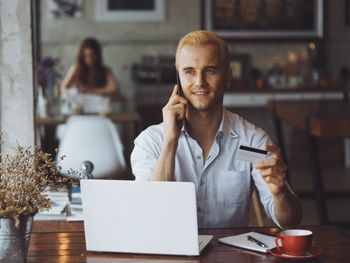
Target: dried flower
[[24, 177]]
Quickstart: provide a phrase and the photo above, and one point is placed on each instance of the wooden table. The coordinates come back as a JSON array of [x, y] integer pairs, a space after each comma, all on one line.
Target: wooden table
[[64, 242], [318, 119], [118, 117]]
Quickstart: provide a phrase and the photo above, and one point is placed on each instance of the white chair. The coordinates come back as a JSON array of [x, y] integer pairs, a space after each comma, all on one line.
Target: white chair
[[94, 139]]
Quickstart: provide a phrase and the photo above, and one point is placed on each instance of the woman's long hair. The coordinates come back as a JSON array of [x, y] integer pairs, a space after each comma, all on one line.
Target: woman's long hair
[[97, 75]]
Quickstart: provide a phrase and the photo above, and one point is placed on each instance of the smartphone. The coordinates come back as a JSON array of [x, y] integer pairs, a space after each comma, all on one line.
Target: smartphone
[[180, 91]]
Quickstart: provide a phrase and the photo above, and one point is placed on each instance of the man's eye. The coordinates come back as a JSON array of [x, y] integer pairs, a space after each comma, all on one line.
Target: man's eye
[[210, 71], [189, 72]]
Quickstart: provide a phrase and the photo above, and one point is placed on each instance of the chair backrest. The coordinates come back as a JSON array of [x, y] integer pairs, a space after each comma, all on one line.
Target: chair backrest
[[95, 139]]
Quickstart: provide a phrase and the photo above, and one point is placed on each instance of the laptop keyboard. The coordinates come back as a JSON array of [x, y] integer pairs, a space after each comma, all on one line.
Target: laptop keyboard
[[203, 240]]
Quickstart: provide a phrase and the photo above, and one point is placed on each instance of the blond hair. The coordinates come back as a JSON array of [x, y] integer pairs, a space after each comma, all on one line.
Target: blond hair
[[202, 37]]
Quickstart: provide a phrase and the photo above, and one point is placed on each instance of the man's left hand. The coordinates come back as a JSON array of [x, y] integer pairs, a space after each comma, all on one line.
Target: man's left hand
[[273, 170]]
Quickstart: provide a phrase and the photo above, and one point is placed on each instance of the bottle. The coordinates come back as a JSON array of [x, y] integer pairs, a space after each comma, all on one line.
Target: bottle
[[41, 107]]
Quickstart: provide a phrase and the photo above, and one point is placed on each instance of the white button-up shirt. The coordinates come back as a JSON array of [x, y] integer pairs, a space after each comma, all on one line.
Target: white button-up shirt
[[223, 184]]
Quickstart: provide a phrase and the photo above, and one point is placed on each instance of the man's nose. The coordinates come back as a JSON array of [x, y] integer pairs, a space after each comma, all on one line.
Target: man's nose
[[200, 79]]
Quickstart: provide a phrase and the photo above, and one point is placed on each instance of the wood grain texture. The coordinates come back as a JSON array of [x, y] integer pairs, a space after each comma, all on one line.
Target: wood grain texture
[[119, 117], [64, 242], [325, 118]]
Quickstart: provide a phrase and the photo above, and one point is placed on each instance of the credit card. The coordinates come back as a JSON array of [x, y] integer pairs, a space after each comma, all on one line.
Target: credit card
[[249, 154]]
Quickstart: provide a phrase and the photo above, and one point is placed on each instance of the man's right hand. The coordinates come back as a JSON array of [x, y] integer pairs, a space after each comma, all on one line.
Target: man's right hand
[[174, 113]]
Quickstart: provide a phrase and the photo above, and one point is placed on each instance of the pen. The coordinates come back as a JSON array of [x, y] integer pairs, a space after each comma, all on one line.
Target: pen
[[267, 234], [259, 243]]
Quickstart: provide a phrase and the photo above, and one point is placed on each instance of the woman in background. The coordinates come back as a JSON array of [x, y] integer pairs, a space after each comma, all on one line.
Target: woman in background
[[89, 74]]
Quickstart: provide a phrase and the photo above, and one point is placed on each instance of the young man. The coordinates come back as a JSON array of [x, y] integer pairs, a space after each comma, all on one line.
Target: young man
[[198, 141]]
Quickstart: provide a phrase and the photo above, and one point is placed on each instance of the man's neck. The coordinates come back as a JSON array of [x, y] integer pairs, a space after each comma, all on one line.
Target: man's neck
[[203, 126]]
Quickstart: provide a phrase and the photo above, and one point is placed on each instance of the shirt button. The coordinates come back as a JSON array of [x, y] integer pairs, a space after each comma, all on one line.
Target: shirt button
[[198, 157], [201, 183]]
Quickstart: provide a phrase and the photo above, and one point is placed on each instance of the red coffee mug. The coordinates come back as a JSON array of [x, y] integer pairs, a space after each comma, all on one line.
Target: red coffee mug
[[295, 242]]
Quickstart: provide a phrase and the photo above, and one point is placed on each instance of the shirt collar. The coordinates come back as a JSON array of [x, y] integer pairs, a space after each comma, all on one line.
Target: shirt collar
[[224, 128]]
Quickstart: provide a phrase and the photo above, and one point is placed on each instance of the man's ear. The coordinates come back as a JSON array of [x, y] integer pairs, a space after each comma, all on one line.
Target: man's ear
[[228, 79]]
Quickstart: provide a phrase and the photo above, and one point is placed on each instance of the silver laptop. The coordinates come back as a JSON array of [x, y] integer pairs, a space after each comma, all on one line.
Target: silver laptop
[[141, 217]]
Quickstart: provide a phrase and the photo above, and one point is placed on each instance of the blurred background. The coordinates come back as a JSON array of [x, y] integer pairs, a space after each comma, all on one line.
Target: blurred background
[[280, 49]]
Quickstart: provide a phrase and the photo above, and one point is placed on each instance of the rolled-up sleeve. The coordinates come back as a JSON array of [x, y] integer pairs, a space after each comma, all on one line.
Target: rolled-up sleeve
[[264, 192], [146, 152]]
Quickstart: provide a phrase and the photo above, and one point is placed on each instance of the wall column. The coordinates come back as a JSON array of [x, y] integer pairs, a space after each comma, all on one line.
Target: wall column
[[16, 74]]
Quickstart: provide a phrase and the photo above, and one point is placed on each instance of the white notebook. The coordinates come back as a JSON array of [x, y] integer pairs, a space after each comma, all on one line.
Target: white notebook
[[243, 242]]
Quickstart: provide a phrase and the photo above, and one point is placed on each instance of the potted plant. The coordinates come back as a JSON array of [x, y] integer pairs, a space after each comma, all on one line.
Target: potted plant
[[47, 75], [24, 177]]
